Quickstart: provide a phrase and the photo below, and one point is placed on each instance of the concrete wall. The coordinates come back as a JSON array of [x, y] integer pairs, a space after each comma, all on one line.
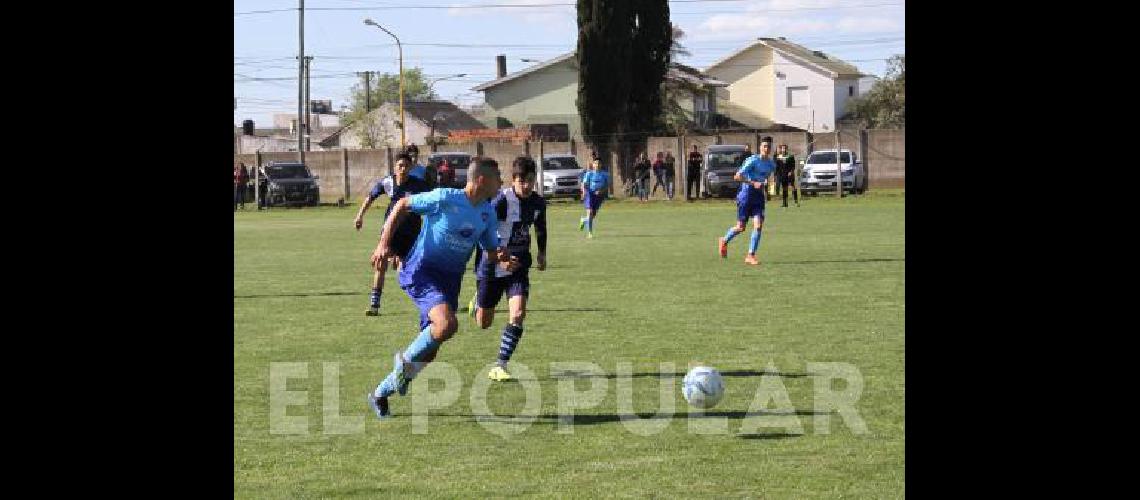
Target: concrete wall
[[885, 158]]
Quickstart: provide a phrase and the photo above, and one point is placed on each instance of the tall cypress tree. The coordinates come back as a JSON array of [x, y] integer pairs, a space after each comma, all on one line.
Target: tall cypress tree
[[604, 51], [652, 43]]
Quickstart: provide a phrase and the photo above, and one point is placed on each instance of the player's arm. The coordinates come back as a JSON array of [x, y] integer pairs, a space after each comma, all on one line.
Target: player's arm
[[421, 203], [490, 239], [372, 195], [540, 235], [744, 174]]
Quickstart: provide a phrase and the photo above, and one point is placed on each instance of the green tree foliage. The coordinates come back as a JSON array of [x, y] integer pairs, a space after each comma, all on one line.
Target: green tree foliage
[[885, 105]]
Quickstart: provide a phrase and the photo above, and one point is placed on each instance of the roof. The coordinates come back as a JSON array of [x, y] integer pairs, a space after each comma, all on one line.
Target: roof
[[689, 74], [835, 67], [493, 83], [676, 71], [452, 116]]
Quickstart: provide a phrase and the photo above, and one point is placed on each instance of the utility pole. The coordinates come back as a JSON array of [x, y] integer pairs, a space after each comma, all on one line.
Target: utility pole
[[308, 107], [300, 80], [367, 92]]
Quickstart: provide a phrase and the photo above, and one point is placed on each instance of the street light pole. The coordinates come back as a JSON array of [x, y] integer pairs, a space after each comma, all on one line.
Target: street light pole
[[370, 22], [437, 80]]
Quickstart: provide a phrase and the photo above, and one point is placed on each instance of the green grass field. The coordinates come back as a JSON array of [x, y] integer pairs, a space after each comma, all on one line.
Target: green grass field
[[649, 289]]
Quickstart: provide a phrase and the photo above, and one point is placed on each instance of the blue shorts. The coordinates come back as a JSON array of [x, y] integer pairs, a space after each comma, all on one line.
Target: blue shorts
[[432, 288], [593, 201], [746, 210], [490, 290]]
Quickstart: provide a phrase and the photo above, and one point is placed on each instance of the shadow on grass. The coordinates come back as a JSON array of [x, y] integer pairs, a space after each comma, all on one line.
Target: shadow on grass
[[794, 262], [322, 294], [725, 373], [610, 418], [768, 435]]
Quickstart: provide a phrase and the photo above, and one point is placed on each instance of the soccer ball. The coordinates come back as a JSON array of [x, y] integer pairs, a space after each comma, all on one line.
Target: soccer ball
[[702, 387]]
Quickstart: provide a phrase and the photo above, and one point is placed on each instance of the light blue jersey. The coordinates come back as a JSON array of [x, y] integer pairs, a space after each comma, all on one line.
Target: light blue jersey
[[595, 180], [755, 168], [451, 228]]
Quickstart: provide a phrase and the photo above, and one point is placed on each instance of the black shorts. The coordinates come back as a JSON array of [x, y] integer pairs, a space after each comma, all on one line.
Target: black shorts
[[490, 290], [405, 235]]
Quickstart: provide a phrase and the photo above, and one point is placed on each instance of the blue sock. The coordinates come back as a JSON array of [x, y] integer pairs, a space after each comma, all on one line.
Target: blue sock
[[421, 346], [730, 235], [375, 297], [510, 340], [386, 386], [755, 243], [590, 225]]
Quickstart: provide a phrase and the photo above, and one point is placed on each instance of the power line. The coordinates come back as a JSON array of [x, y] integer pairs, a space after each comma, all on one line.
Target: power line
[[546, 5]]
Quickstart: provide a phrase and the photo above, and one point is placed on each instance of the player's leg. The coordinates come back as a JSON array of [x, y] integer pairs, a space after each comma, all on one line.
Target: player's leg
[[741, 217], [377, 288], [474, 270], [795, 191], [436, 300], [754, 244], [512, 333], [596, 203], [490, 291]]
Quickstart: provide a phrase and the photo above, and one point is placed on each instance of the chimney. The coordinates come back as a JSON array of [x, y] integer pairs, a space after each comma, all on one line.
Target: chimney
[[501, 64]]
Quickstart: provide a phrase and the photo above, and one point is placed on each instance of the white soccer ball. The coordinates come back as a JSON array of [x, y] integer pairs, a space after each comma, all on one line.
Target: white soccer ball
[[702, 387]]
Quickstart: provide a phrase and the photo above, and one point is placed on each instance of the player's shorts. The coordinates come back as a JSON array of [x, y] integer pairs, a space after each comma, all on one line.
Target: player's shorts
[[432, 288], [490, 290], [405, 236], [593, 201], [746, 210]]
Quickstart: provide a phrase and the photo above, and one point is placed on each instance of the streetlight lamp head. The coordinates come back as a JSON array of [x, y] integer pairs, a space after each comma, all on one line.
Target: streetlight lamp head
[[370, 22]]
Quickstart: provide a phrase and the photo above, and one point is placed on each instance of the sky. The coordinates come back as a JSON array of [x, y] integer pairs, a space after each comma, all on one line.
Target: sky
[[448, 38]]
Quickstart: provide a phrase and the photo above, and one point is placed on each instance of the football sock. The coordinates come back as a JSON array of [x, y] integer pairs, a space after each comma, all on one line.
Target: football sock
[[510, 340], [755, 243]]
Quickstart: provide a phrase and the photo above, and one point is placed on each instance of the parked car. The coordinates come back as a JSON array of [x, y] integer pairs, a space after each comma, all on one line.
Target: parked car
[[819, 172], [721, 163], [561, 176], [290, 183], [458, 161]]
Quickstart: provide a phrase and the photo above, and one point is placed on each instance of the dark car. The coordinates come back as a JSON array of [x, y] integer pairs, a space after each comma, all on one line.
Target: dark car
[[721, 163], [458, 162], [290, 184]]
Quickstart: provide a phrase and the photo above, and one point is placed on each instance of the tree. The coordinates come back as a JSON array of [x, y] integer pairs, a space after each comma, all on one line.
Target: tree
[[652, 52], [674, 117], [622, 55], [885, 105], [386, 88], [605, 33]]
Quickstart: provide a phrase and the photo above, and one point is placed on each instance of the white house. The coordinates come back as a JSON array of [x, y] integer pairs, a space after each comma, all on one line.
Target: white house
[[775, 82]]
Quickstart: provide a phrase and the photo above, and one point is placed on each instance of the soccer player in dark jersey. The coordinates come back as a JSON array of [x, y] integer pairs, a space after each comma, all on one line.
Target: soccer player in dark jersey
[[750, 200], [453, 221], [397, 185], [517, 208]]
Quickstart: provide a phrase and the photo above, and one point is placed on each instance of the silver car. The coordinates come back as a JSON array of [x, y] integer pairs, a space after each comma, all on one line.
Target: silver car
[[561, 176], [819, 172]]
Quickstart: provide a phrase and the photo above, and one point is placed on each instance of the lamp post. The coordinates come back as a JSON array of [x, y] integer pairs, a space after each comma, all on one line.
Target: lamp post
[[437, 80], [370, 22]]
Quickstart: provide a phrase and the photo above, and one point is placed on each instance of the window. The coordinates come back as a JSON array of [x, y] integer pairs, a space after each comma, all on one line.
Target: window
[[850, 90], [798, 97]]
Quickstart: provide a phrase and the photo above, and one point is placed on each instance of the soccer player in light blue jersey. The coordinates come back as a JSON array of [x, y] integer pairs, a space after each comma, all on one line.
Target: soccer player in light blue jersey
[[595, 182], [753, 175], [454, 220]]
